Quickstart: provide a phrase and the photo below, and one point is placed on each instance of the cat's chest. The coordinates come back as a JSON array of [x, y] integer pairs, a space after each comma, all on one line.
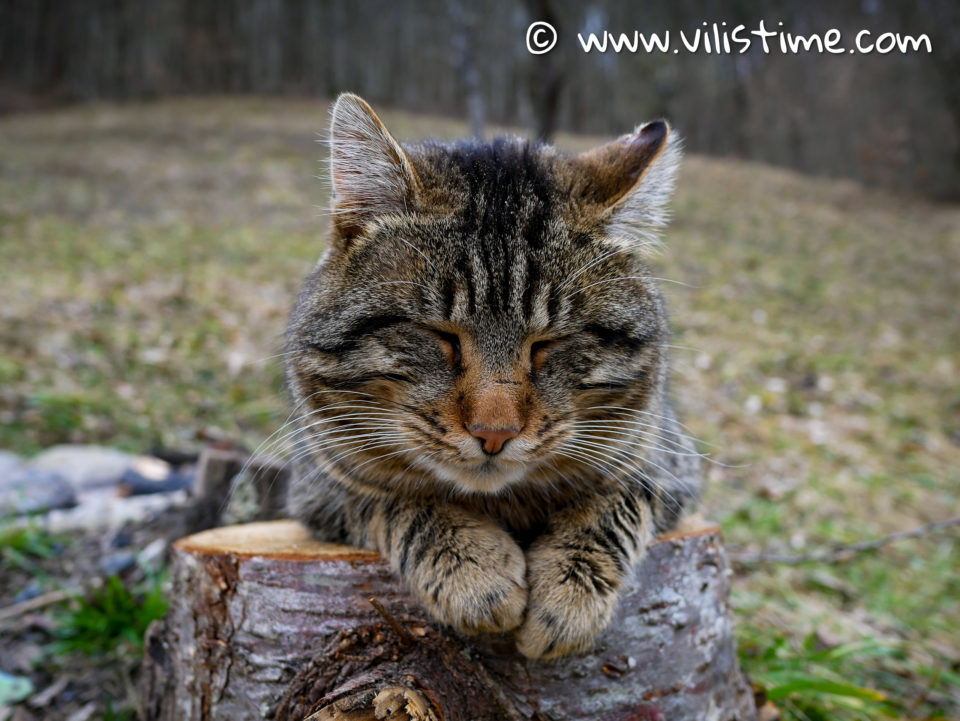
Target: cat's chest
[[523, 515]]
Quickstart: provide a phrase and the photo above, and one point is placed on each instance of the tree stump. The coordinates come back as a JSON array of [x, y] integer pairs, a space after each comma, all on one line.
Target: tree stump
[[267, 623]]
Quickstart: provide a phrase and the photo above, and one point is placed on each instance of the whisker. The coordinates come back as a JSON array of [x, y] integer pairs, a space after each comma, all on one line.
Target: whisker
[[638, 427], [639, 444], [589, 265], [642, 477], [629, 277], [334, 419], [422, 254], [635, 411], [314, 447]]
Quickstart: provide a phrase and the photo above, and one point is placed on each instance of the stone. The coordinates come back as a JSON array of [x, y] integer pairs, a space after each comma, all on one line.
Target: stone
[[31, 490], [102, 510], [116, 563], [33, 590], [14, 689], [9, 462], [151, 557], [134, 483], [86, 466], [151, 468], [120, 538]]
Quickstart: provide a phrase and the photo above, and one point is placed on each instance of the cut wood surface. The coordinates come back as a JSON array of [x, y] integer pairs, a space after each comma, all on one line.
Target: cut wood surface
[[266, 622]]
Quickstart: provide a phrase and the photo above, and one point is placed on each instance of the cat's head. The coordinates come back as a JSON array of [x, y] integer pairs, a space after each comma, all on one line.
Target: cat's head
[[479, 305]]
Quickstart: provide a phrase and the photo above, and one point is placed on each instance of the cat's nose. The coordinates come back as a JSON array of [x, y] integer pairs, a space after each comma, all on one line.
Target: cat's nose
[[493, 439]]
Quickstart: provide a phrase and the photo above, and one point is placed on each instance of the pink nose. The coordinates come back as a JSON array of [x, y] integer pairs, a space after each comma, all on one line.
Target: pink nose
[[494, 439]]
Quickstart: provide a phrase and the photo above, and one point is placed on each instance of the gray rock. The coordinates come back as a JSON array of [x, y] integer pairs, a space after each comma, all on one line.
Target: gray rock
[[86, 466], [32, 490], [33, 590], [134, 483], [119, 538], [14, 689], [103, 510], [9, 462], [116, 563], [151, 557]]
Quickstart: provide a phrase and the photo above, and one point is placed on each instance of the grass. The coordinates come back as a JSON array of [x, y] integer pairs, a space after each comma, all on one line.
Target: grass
[[91, 640], [21, 546], [111, 619], [811, 682], [149, 255]]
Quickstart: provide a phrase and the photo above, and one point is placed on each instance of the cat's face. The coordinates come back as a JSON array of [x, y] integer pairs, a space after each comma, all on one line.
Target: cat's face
[[478, 306]]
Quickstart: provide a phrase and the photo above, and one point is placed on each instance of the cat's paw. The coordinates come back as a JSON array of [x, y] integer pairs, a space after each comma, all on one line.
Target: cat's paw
[[572, 599], [477, 584]]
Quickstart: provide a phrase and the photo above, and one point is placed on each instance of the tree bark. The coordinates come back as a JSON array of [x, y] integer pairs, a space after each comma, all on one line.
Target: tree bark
[[267, 623]]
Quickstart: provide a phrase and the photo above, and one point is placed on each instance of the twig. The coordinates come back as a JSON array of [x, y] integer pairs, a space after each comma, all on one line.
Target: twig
[[842, 552], [50, 598], [405, 636], [41, 601]]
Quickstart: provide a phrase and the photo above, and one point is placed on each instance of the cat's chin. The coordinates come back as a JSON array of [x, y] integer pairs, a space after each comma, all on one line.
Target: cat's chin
[[487, 476]]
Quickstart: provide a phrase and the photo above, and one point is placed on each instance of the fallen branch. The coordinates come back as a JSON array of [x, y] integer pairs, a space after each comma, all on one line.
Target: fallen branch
[[842, 552]]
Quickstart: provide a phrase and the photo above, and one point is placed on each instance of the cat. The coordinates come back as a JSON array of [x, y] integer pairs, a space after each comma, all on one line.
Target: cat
[[478, 366]]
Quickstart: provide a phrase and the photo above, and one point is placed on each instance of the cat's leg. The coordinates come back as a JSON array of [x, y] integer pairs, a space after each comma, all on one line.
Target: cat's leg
[[575, 571], [466, 570]]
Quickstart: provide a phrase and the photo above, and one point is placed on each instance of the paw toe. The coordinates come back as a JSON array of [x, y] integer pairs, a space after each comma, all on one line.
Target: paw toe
[[502, 609], [476, 597], [544, 636]]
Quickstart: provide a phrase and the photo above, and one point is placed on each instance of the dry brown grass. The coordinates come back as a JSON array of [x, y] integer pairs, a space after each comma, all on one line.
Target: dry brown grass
[[149, 255]]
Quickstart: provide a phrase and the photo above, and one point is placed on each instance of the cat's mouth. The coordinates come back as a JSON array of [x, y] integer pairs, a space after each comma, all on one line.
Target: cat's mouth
[[487, 466], [488, 475]]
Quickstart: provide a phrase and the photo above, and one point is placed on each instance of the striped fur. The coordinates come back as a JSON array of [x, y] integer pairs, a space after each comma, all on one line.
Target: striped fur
[[470, 289]]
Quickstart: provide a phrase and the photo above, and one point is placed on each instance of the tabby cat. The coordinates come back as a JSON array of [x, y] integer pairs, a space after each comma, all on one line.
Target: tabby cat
[[479, 371]]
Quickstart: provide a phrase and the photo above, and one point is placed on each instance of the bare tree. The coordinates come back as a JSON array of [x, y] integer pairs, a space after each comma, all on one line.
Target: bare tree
[[462, 40], [890, 119], [547, 80]]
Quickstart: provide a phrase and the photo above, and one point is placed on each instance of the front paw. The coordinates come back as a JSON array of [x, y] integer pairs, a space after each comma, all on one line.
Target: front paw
[[573, 595], [477, 584]]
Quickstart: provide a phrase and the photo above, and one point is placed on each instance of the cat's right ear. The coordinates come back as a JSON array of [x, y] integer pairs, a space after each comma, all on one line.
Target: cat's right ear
[[370, 173], [628, 183]]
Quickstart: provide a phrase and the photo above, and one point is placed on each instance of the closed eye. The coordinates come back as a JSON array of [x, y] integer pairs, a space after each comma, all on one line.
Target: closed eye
[[359, 329], [450, 344], [373, 324], [539, 351], [616, 337]]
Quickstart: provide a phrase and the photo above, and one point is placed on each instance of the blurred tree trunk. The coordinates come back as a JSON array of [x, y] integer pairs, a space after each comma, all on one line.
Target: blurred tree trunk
[[945, 33], [463, 47], [548, 78], [887, 118]]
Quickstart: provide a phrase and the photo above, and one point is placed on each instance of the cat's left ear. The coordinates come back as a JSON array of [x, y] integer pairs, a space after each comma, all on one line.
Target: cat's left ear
[[629, 182], [371, 175]]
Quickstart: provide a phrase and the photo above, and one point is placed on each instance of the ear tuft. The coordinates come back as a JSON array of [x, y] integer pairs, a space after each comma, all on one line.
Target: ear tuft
[[370, 173], [630, 181]]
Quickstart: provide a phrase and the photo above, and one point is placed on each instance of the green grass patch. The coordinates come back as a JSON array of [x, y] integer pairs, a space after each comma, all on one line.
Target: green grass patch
[[22, 546], [111, 619], [860, 681]]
